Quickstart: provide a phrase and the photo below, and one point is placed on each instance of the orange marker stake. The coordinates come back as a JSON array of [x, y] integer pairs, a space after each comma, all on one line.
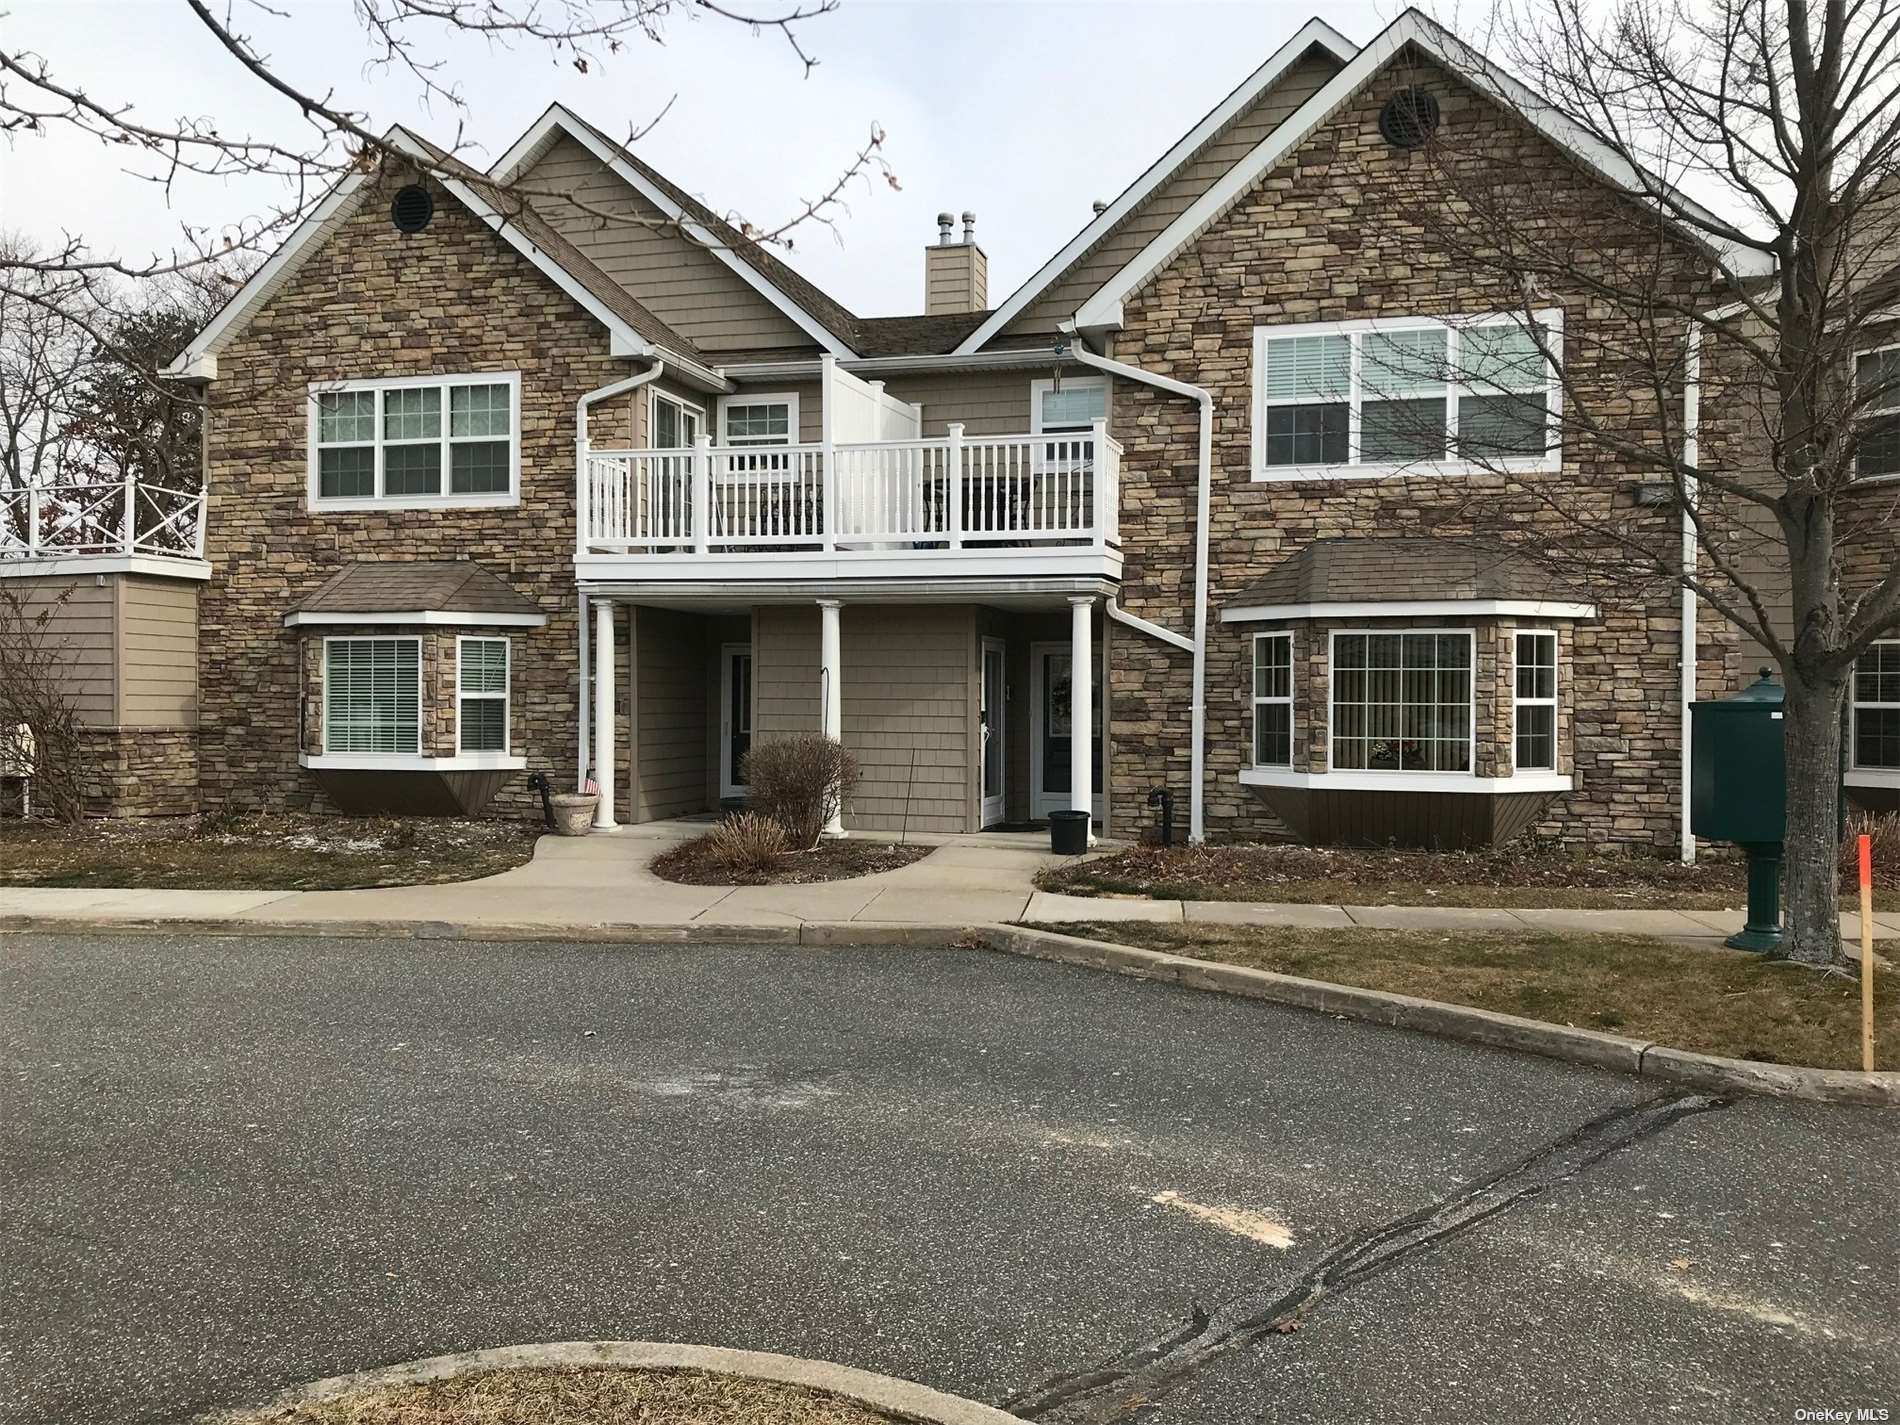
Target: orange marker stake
[[1867, 954]]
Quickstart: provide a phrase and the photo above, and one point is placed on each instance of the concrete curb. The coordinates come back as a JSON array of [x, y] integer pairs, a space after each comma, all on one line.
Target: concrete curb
[[1451, 1021], [902, 1398]]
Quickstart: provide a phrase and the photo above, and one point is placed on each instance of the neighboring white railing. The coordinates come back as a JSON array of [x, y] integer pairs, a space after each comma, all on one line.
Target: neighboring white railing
[[101, 517], [950, 492]]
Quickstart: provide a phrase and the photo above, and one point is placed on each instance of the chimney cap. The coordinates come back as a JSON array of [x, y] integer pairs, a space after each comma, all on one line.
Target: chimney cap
[[969, 226], [944, 220], [1099, 206]]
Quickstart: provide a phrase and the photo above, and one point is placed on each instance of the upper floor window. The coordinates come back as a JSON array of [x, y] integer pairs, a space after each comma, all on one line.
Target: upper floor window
[[372, 695], [1402, 701], [759, 420], [1876, 732], [1877, 383], [415, 441], [1390, 396], [1074, 408]]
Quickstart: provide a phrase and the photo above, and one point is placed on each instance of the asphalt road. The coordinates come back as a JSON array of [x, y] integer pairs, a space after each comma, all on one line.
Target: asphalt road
[[229, 1165]]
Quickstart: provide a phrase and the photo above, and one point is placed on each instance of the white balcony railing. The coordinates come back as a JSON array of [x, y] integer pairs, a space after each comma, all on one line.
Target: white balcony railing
[[101, 517], [952, 492]]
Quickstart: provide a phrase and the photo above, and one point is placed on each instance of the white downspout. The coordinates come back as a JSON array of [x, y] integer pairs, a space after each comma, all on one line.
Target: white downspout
[[581, 446], [1691, 453], [1197, 719]]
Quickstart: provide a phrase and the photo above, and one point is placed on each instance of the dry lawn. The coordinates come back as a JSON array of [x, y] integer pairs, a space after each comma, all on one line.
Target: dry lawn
[[1518, 877], [1711, 1001], [289, 851], [696, 863], [580, 1397]]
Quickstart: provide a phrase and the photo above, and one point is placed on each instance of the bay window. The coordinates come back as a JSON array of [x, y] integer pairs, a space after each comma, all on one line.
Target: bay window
[[481, 694], [372, 695], [1402, 701], [415, 441], [1393, 395], [1273, 700], [1534, 702]]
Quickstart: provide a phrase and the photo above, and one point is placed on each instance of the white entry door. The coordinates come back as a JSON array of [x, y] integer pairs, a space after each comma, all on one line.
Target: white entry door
[[735, 716], [991, 713], [1051, 726]]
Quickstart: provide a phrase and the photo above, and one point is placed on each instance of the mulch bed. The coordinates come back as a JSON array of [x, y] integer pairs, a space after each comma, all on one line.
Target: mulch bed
[[1510, 876], [580, 1397], [694, 863], [292, 851]]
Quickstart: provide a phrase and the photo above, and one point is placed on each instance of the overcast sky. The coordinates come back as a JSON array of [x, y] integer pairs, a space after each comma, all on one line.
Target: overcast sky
[[1023, 111]]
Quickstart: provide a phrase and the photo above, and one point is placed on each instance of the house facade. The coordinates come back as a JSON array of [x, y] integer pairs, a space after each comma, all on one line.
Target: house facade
[[545, 469]]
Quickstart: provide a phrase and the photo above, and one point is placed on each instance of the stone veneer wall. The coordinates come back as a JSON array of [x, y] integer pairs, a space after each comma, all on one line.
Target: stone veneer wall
[[1326, 237], [141, 771], [374, 302]]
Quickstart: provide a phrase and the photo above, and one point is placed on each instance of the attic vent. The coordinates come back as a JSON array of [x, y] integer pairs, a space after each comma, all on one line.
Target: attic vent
[[412, 209], [1409, 118]]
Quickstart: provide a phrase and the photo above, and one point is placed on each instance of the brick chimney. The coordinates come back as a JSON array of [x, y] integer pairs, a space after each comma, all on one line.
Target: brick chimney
[[956, 274]]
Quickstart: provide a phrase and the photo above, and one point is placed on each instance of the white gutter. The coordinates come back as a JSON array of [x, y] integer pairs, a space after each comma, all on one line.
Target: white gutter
[[1691, 452], [805, 368], [1153, 630], [1197, 718], [615, 388]]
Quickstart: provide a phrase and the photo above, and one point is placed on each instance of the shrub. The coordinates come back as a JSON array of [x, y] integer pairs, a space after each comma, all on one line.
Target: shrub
[[800, 781], [749, 842], [39, 708]]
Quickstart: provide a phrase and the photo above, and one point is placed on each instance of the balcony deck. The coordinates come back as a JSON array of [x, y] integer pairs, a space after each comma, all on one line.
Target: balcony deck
[[103, 526], [1015, 506]]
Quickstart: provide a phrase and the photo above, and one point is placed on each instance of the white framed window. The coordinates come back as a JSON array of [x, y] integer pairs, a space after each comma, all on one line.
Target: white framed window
[[1877, 389], [759, 420], [1534, 701], [1452, 395], [481, 694], [672, 424], [1876, 708], [1072, 409], [1273, 700], [1402, 700], [372, 695], [413, 442]]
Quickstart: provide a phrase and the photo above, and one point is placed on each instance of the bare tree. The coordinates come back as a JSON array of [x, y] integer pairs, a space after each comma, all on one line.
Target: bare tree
[[42, 357], [38, 96], [40, 728], [1704, 318]]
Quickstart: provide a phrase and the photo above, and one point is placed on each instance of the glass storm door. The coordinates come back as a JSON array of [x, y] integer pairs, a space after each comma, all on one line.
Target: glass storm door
[[1054, 726], [735, 717], [995, 693]]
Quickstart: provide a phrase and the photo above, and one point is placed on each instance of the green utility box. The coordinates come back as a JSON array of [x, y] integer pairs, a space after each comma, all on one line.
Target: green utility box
[[1738, 782], [1738, 791]]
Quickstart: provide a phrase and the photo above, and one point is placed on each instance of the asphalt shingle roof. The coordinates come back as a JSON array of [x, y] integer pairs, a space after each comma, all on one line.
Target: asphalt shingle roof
[[417, 585], [1350, 571]]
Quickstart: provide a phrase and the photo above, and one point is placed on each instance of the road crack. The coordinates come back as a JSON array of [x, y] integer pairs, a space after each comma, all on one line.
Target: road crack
[[1136, 1377]]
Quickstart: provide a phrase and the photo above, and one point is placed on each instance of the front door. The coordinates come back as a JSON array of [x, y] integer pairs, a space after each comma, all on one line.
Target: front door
[[995, 693], [1052, 726], [735, 716]]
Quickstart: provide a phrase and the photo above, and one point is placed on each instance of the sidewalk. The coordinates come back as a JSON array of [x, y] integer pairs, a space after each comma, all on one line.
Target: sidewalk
[[603, 881]]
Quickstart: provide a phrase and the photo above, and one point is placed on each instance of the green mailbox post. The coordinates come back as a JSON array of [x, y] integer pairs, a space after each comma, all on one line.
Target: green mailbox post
[[1738, 792]]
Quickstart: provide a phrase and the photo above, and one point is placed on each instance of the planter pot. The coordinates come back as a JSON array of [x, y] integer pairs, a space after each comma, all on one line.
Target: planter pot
[[574, 812], [1068, 832]]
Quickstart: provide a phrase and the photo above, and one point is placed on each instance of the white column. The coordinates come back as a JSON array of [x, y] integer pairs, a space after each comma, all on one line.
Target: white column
[[604, 712], [831, 692], [1081, 728]]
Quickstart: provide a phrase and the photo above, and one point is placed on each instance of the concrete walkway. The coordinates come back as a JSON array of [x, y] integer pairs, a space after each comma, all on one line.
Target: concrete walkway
[[603, 881]]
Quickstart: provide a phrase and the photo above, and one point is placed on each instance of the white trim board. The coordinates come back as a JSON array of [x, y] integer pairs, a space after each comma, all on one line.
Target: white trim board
[[200, 359], [450, 617], [1413, 608], [562, 119], [410, 762], [162, 566], [1407, 781], [1313, 32], [1102, 310]]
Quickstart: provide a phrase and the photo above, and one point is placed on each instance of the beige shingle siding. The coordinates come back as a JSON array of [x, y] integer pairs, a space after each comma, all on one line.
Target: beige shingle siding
[[158, 652], [670, 656], [80, 633], [987, 402], [1072, 288], [681, 282]]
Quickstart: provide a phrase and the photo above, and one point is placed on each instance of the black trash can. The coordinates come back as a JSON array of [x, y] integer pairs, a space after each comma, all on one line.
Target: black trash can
[[1068, 832]]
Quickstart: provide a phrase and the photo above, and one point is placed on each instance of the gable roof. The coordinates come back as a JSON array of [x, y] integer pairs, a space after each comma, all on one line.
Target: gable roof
[[1412, 28], [633, 330], [827, 321], [1314, 32], [418, 586]]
